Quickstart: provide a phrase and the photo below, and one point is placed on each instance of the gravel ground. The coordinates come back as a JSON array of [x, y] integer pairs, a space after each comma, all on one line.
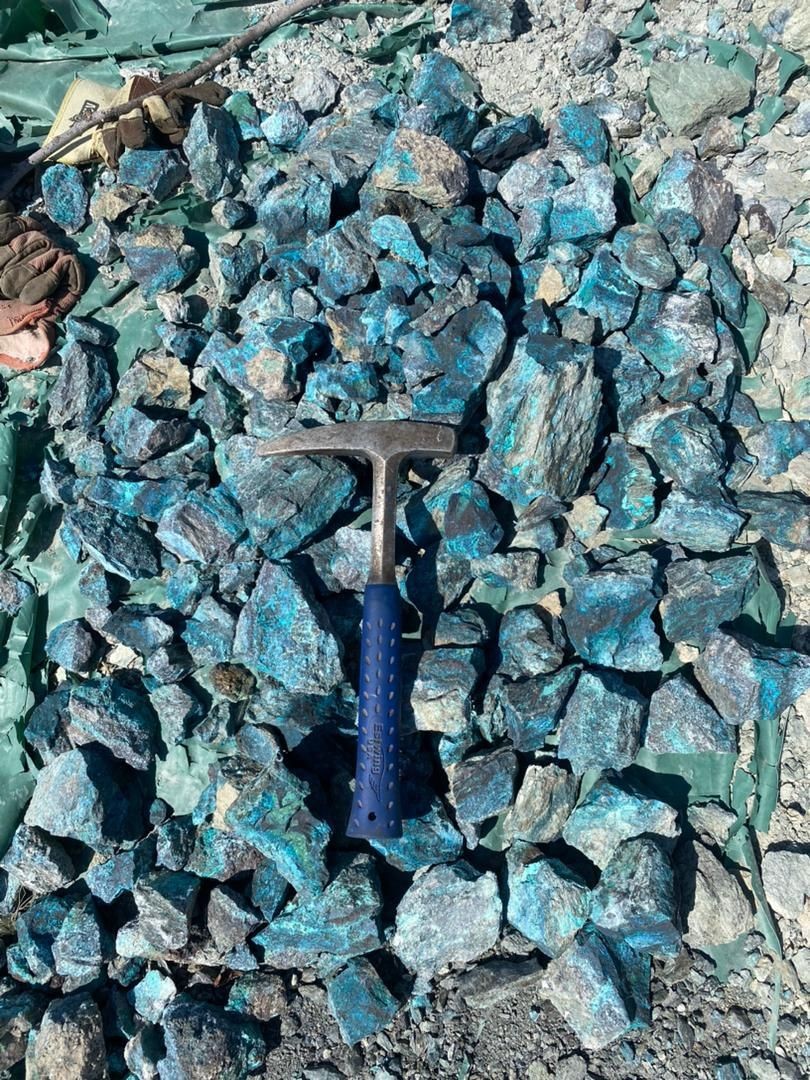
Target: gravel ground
[[701, 1028]]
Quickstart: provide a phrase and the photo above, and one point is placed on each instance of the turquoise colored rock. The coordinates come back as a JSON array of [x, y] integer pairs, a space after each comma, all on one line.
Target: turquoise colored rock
[[454, 508], [695, 187], [284, 125], [202, 527], [108, 712], [635, 900], [525, 644], [38, 861], [204, 1040], [152, 994], [424, 166], [577, 130], [548, 903], [685, 444], [360, 1001], [777, 443], [681, 721], [627, 488], [240, 105], [211, 147], [65, 197], [700, 523], [72, 646], [158, 258], [644, 256], [392, 233], [675, 331], [780, 517], [606, 292], [426, 840], [482, 785], [152, 171], [488, 21], [297, 210], [701, 594], [601, 725], [83, 387], [341, 922], [542, 421], [30, 959], [584, 210], [496, 146], [528, 710]]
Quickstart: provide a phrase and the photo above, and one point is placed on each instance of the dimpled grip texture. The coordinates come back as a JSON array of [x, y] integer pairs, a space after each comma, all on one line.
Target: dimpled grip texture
[[375, 807]]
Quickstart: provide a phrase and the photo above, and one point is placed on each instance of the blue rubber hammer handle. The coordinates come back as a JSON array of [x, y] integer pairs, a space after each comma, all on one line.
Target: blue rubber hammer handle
[[376, 807]]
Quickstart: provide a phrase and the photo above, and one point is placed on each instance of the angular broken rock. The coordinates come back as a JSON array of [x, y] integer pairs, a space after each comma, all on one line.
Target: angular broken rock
[[421, 165], [543, 414], [608, 620], [692, 186], [786, 877], [717, 911], [702, 594], [688, 93], [548, 902], [682, 721], [601, 725], [468, 905], [70, 1042], [543, 804], [748, 682], [482, 785], [495, 981], [360, 1001]]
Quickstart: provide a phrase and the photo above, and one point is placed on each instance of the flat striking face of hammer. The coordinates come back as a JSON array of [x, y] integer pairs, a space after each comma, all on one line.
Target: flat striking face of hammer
[[376, 805]]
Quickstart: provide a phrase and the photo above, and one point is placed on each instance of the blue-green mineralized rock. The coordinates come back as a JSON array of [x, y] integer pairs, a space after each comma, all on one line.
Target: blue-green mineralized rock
[[692, 186], [675, 331], [681, 721], [701, 594], [65, 197], [360, 1001], [456, 509], [750, 682], [229, 918], [578, 138], [240, 105], [627, 487], [644, 256], [38, 861], [446, 373], [421, 165], [426, 840], [611, 812], [781, 517], [271, 813], [451, 914], [482, 20], [82, 945], [284, 501], [525, 644], [441, 697], [343, 921], [209, 632], [446, 98], [72, 646], [601, 725], [543, 414], [85, 795], [152, 171], [207, 1042], [115, 876], [106, 711], [548, 902], [13, 592], [284, 126], [297, 210], [30, 959], [528, 710], [776, 443], [496, 146], [635, 899], [165, 902], [606, 292], [139, 627], [700, 523], [392, 233], [158, 258], [83, 388], [152, 994], [284, 632], [482, 785], [202, 527], [608, 618], [685, 444], [212, 150], [584, 210], [594, 988], [546, 798], [234, 267]]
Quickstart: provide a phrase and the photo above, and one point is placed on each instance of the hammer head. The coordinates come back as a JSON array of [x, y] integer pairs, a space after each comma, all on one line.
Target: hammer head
[[379, 441]]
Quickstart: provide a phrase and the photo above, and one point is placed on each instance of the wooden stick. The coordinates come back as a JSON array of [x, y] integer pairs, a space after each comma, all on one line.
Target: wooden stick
[[281, 12]]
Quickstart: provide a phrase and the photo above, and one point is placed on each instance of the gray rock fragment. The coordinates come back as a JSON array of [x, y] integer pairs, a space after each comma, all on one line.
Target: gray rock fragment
[[688, 93]]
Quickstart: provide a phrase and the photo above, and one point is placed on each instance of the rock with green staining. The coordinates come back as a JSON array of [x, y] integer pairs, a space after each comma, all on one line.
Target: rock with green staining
[[534, 225], [450, 914], [749, 682], [271, 814], [421, 165], [30, 959], [201, 527], [644, 256], [85, 794], [548, 903], [608, 619], [152, 171], [542, 421], [229, 918], [392, 233], [426, 840], [122, 547], [221, 855], [152, 994], [781, 517], [489, 21], [360, 1001], [209, 633], [83, 387], [635, 899], [117, 875], [65, 197], [38, 861], [542, 806], [70, 1041], [285, 501], [601, 990], [442, 690], [496, 146], [165, 903], [687, 94], [284, 125], [482, 785], [529, 710], [207, 1042], [700, 523], [525, 644], [613, 811], [776, 444], [578, 138], [341, 922], [627, 488], [456, 509], [601, 725], [701, 594], [260, 994], [685, 444], [108, 712], [82, 946], [297, 210], [211, 147], [690, 186], [682, 721], [584, 211], [158, 258], [606, 292], [72, 646], [14, 592], [675, 331], [445, 374], [284, 632], [630, 382]]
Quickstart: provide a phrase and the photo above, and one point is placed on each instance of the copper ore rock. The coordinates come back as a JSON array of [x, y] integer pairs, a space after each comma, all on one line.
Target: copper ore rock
[[360, 1001], [601, 725], [421, 165]]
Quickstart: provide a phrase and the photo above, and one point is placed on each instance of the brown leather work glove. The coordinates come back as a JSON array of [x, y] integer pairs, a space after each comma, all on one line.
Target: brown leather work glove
[[161, 116]]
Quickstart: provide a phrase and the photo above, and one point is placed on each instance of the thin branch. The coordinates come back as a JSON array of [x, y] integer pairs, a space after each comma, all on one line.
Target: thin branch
[[281, 12]]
